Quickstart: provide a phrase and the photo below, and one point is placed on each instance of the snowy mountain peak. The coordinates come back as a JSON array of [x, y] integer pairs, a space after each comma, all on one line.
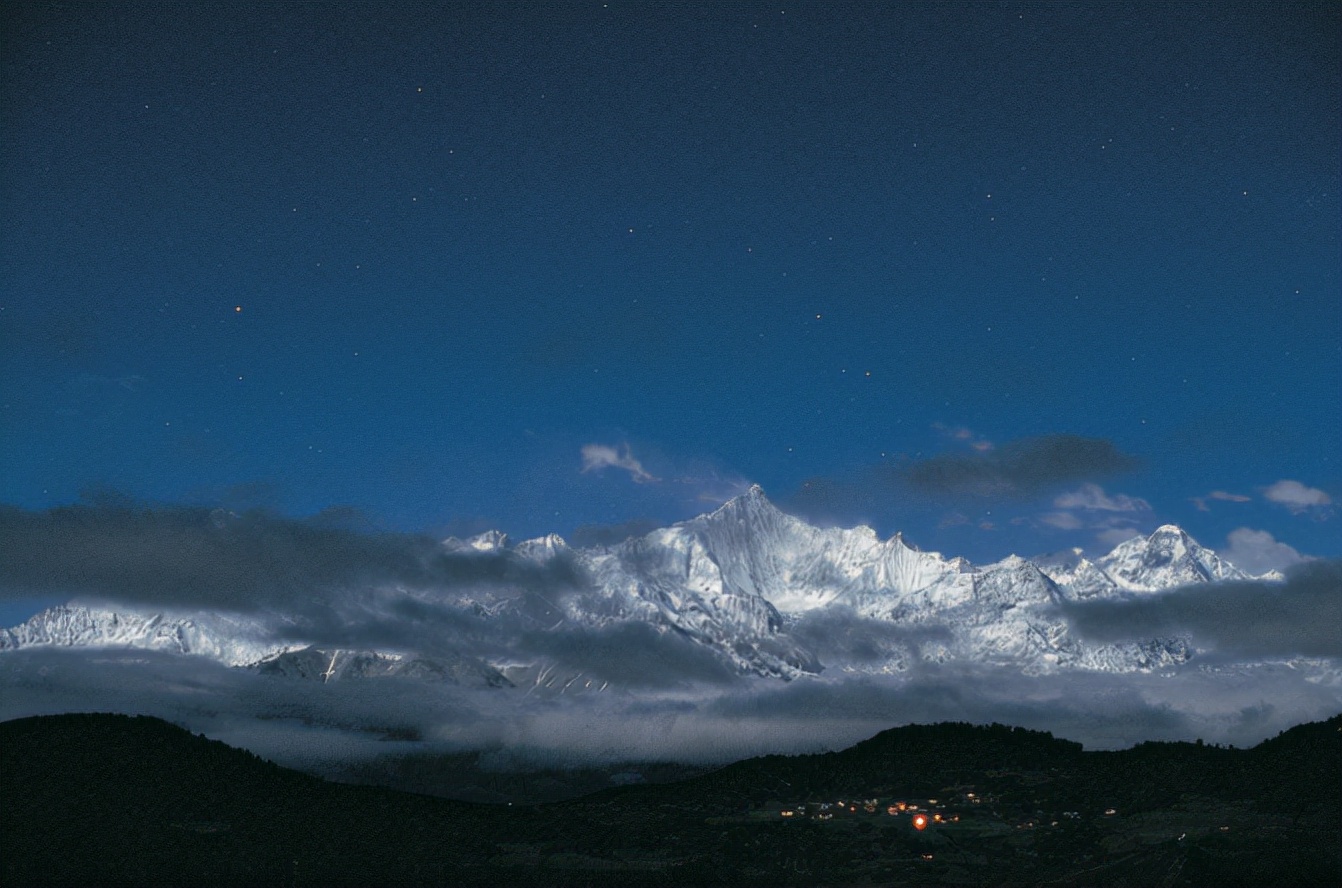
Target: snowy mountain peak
[[752, 503], [745, 580], [542, 548], [489, 541], [1173, 537], [1167, 558], [228, 638]]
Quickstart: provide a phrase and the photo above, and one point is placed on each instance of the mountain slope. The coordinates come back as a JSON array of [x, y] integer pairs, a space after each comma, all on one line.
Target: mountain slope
[[739, 581]]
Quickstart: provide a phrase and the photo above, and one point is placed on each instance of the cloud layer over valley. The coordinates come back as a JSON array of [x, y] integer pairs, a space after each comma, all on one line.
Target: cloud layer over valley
[[527, 648]]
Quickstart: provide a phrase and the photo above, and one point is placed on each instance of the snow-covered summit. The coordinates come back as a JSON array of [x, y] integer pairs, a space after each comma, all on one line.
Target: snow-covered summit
[[489, 541], [229, 638], [739, 580], [1167, 558]]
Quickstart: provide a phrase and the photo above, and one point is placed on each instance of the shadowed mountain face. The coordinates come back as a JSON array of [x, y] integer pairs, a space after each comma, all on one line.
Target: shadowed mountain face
[[117, 800]]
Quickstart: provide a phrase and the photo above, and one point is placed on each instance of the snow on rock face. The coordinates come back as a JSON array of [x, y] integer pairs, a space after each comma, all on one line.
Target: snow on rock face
[[737, 580], [1166, 559], [753, 549], [230, 639], [489, 541], [325, 666], [1013, 582], [543, 549]]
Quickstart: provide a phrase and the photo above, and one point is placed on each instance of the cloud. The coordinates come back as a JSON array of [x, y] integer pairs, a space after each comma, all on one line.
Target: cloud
[[1237, 619], [599, 456], [687, 481], [1297, 497], [1112, 536], [710, 484], [328, 727], [633, 655], [1113, 518], [184, 557], [1257, 552], [1093, 498], [669, 698], [1201, 501], [1019, 469], [1062, 520], [836, 633], [967, 435]]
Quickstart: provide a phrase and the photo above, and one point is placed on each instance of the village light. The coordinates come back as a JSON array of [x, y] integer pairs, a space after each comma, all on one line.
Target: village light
[[919, 822]]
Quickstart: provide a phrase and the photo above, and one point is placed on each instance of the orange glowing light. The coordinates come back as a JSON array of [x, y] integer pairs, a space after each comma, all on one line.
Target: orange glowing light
[[919, 822]]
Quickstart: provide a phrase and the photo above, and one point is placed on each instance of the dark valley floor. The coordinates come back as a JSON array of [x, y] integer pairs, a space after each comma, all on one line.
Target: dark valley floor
[[117, 800]]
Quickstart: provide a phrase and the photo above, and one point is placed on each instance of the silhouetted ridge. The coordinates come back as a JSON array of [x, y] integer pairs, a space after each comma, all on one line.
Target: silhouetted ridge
[[120, 800]]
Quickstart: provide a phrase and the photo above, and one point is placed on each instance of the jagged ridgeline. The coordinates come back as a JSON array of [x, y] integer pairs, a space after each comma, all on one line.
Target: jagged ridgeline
[[748, 585], [116, 800]]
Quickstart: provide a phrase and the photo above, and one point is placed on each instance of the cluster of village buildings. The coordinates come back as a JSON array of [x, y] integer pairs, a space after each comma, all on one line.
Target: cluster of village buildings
[[923, 813]]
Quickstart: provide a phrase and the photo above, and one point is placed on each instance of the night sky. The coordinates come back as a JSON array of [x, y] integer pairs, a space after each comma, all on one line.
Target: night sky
[[1007, 277]]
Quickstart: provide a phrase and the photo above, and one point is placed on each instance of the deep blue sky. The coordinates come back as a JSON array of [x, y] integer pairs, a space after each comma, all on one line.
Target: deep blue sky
[[413, 259]]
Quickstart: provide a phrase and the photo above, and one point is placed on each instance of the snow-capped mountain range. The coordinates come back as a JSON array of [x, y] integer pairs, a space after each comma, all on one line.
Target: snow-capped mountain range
[[760, 589]]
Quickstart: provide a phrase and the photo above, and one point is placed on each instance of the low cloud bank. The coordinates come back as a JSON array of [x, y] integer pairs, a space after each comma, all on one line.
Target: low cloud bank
[[186, 557], [1238, 619], [665, 697], [323, 727]]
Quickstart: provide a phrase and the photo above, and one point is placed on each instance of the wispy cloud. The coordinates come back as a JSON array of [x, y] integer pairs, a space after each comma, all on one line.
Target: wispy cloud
[[1112, 536], [1114, 518], [711, 485], [687, 481], [1062, 520], [1298, 498], [1223, 496], [1092, 497], [966, 435], [596, 457]]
